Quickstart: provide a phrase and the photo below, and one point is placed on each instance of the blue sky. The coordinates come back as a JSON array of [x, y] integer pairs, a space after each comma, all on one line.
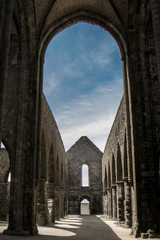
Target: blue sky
[[83, 83]]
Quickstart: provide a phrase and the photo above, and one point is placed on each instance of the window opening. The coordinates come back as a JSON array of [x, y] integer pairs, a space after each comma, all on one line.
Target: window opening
[[85, 176]]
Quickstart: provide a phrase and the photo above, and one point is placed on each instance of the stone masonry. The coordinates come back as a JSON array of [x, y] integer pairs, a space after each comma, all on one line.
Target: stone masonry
[[84, 152]]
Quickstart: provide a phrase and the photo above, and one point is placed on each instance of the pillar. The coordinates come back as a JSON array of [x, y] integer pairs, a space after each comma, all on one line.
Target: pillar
[[155, 9], [127, 204], [114, 201], [109, 197], [120, 201], [6, 8], [41, 203], [57, 213], [4, 201]]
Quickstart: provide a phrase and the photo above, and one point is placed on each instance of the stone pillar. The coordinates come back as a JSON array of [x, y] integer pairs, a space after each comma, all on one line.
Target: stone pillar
[[109, 198], [41, 203], [120, 201], [6, 8], [155, 8], [127, 204], [24, 164], [105, 203], [4, 201], [114, 201], [57, 214]]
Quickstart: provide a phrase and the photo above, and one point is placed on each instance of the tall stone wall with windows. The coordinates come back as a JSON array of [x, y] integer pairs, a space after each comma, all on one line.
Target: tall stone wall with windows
[[52, 190], [117, 186], [84, 152]]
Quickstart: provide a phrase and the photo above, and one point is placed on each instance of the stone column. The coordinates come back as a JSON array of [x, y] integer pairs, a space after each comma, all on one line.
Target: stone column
[[155, 8], [114, 201], [57, 192], [41, 203], [109, 198], [4, 201], [6, 8], [120, 201], [105, 203], [127, 204]]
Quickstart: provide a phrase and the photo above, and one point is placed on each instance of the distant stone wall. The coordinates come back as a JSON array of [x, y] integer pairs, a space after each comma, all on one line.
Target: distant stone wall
[[84, 152]]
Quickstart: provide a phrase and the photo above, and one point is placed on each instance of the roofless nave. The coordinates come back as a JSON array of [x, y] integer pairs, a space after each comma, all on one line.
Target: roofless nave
[[36, 153]]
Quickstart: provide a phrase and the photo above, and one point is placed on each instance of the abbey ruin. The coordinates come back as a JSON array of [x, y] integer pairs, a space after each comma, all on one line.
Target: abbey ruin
[[36, 156]]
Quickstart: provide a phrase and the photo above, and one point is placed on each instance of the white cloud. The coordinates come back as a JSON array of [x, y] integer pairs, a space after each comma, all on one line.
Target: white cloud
[[90, 115], [97, 131], [51, 83]]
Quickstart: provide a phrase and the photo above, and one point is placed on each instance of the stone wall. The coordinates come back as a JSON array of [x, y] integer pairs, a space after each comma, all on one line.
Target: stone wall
[[116, 187], [52, 192], [84, 152]]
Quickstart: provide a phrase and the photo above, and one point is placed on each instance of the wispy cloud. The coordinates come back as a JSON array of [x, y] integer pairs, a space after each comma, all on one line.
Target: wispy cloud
[[51, 83], [97, 130], [90, 115], [72, 70]]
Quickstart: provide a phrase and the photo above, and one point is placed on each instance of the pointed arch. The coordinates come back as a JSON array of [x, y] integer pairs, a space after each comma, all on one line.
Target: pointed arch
[[113, 170], [43, 156], [109, 176], [105, 179], [51, 166], [119, 164], [85, 175], [57, 170], [125, 161]]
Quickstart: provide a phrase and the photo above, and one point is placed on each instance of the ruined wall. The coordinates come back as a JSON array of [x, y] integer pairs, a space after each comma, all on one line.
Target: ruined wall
[[52, 183], [84, 152], [52, 192], [118, 187]]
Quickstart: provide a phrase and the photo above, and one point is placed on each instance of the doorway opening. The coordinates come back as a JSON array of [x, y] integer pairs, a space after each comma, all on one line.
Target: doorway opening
[[85, 207]]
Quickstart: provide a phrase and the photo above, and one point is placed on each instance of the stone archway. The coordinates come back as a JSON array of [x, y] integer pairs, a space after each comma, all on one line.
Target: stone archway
[[33, 27]]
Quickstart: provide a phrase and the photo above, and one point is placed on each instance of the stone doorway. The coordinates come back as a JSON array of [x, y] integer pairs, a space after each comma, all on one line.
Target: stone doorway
[[85, 207]]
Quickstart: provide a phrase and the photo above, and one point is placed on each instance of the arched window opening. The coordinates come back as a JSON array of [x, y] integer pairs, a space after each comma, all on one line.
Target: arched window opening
[[84, 70], [113, 170], [105, 179], [9, 177], [125, 163], [61, 171], [85, 175], [51, 166], [57, 171], [2, 145], [43, 156], [109, 176], [119, 165]]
